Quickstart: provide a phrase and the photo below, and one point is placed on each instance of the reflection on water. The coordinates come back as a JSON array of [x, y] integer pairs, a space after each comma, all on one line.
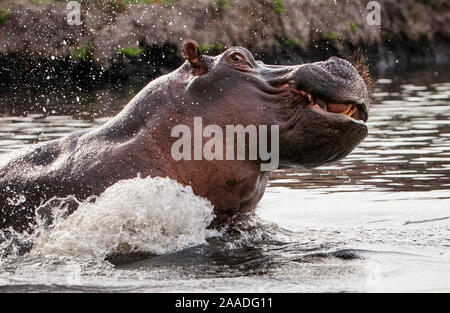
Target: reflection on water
[[377, 220]]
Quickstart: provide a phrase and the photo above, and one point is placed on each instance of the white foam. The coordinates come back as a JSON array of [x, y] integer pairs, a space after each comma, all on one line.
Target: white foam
[[154, 215]]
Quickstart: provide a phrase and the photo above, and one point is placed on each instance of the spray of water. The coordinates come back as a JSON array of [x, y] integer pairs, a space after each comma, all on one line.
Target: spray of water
[[152, 215]]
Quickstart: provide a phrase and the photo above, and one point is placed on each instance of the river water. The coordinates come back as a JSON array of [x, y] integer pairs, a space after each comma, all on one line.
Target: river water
[[379, 220]]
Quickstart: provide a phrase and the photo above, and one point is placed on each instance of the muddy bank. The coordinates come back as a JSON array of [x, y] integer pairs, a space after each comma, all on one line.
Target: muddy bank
[[141, 40]]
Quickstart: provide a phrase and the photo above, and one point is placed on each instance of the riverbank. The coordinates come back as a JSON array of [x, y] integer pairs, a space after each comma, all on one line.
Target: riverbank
[[123, 40]]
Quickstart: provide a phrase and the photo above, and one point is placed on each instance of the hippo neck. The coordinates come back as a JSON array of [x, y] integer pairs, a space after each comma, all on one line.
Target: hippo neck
[[150, 109], [141, 129]]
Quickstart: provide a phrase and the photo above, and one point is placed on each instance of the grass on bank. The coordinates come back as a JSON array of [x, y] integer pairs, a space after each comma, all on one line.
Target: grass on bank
[[132, 51], [205, 48], [330, 36], [82, 53], [3, 15]]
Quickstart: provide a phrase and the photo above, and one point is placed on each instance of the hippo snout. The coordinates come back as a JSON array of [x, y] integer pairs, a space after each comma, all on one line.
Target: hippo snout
[[334, 85]]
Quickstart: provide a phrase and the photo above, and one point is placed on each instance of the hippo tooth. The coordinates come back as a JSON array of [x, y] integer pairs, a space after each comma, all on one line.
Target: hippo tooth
[[352, 111], [346, 110], [311, 99]]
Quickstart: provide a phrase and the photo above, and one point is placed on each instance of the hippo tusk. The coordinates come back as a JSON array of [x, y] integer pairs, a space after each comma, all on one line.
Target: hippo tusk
[[311, 99], [347, 110]]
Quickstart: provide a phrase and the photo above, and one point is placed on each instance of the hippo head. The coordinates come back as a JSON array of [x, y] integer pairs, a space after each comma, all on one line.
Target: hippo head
[[321, 108]]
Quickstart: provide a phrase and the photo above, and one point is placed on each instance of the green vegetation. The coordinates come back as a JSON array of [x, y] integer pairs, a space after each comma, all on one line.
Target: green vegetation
[[278, 6], [132, 51], [290, 42], [219, 47], [223, 4], [3, 15], [330, 36], [353, 26], [82, 53], [205, 48]]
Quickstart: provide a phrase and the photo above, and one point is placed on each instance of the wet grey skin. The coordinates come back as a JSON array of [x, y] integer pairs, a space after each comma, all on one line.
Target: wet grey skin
[[229, 89]]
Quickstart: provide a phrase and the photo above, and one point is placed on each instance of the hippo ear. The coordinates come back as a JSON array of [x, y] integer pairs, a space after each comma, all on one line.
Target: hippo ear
[[192, 53]]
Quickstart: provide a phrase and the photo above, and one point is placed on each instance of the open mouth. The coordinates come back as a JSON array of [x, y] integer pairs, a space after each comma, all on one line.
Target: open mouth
[[356, 111]]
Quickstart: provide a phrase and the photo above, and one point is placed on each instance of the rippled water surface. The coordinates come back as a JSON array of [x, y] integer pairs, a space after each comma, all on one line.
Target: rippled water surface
[[379, 220]]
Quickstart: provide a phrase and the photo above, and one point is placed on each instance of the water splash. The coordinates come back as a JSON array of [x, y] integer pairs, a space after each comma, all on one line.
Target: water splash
[[152, 215]]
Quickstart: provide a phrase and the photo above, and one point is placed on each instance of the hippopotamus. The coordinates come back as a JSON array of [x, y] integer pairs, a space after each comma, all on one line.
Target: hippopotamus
[[320, 110]]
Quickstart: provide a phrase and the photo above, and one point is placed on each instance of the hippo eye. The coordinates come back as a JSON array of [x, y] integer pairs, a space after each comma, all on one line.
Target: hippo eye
[[237, 57]]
